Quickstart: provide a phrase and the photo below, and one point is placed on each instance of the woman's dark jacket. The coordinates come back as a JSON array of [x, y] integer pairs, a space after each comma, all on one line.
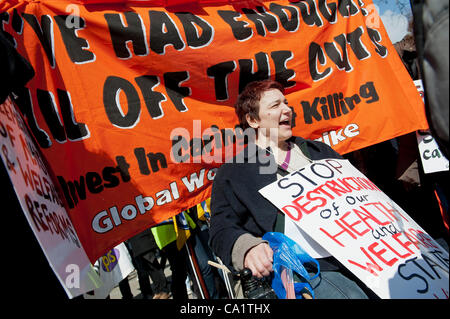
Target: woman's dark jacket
[[236, 205]]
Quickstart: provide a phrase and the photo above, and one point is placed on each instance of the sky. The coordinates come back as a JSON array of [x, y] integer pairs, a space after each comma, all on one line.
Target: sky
[[394, 14]]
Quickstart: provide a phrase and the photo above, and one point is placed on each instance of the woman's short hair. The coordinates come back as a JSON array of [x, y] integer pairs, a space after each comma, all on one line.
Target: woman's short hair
[[248, 100]]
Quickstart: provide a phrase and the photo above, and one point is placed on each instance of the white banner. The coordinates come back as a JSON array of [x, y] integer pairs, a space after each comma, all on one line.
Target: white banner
[[42, 205], [364, 229]]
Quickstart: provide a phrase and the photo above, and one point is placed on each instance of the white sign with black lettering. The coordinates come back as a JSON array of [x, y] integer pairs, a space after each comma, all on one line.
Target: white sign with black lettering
[[431, 156]]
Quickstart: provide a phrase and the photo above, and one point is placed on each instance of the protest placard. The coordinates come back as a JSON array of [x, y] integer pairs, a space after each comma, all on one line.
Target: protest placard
[[112, 267], [43, 206], [432, 158], [350, 217]]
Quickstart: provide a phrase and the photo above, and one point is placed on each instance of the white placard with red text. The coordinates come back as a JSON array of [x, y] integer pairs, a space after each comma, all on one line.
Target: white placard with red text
[[42, 205], [433, 160], [364, 229]]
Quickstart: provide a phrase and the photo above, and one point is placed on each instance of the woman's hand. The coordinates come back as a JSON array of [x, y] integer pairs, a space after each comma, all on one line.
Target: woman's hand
[[259, 260]]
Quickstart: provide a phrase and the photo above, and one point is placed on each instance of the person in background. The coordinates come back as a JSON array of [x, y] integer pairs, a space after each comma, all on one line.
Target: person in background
[[144, 253]]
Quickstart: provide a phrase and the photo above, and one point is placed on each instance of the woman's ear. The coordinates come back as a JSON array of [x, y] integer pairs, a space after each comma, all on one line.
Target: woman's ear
[[253, 123]]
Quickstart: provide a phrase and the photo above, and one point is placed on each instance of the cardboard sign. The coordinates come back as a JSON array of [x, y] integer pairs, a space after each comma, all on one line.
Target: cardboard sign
[[42, 205], [132, 103], [364, 229]]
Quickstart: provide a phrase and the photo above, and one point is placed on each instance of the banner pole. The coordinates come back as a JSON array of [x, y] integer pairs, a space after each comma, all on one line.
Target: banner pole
[[196, 270]]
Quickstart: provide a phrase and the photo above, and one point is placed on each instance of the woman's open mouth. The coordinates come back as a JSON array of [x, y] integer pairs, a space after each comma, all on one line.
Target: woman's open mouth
[[285, 122]]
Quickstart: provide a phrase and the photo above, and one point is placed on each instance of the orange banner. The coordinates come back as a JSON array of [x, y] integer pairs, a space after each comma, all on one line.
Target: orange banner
[[132, 103]]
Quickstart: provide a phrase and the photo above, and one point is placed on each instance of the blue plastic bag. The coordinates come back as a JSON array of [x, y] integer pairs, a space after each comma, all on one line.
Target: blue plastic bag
[[288, 254]]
